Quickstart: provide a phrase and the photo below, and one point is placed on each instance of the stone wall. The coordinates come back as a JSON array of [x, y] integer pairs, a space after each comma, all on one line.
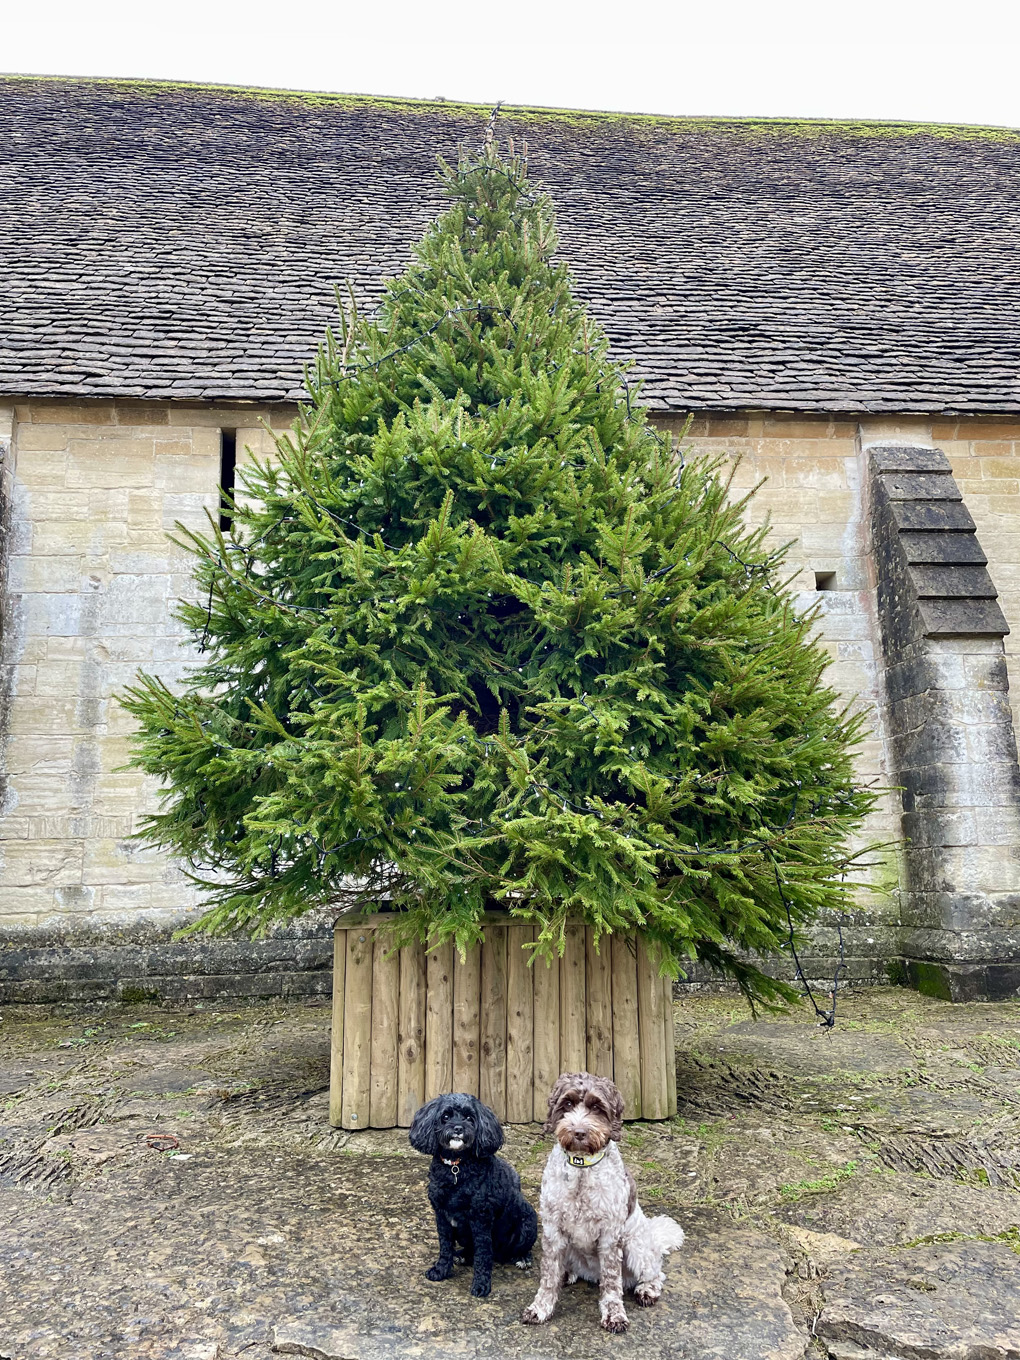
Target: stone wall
[[92, 583], [811, 476]]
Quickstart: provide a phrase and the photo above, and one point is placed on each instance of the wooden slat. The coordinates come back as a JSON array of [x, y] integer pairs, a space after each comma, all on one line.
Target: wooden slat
[[547, 1033], [385, 993], [411, 1034], [598, 981], [466, 1020], [492, 1062], [654, 1099], [520, 1075], [439, 1022], [336, 1034], [357, 1061], [626, 1047], [670, 1037], [573, 1051]]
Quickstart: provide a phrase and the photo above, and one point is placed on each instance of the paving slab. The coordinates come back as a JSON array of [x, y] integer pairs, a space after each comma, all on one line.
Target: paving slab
[[942, 1301]]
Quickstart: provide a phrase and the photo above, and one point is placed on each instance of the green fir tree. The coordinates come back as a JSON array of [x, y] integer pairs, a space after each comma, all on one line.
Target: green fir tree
[[480, 638]]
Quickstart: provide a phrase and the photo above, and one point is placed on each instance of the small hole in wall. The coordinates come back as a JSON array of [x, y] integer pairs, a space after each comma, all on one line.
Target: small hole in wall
[[228, 457], [825, 580]]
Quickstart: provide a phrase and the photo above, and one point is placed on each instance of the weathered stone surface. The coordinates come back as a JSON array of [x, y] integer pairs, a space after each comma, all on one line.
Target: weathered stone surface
[[944, 1301], [722, 1299], [945, 515], [792, 1146], [941, 547], [962, 618], [953, 580], [907, 458], [911, 486], [951, 738]]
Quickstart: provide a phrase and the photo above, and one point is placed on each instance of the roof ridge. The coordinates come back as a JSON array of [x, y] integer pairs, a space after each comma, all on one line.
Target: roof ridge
[[865, 127]]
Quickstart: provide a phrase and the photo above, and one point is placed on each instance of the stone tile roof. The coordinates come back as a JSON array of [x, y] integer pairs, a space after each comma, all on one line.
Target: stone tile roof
[[183, 242]]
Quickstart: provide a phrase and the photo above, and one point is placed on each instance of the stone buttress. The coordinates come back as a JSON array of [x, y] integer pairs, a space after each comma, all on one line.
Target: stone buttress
[[954, 752]]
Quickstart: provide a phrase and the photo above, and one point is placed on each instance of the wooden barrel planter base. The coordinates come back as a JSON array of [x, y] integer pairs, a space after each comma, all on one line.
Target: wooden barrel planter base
[[410, 1025]]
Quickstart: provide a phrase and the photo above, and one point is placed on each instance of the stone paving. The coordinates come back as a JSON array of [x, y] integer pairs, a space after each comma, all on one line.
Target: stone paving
[[853, 1196]]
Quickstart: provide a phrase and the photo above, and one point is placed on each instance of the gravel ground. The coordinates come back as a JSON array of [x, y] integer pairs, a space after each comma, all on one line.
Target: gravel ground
[[847, 1195]]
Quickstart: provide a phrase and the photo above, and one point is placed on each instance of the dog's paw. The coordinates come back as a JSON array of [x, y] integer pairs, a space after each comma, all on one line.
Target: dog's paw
[[615, 1320], [530, 1317], [645, 1295], [439, 1272], [481, 1289], [524, 1263], [571, 1277]]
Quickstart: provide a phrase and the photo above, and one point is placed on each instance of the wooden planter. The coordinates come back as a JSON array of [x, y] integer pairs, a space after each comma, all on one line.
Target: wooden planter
[[408, 1025]]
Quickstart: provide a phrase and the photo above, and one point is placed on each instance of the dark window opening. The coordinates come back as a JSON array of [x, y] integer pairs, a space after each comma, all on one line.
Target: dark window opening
[[825, 580], [228, 458]]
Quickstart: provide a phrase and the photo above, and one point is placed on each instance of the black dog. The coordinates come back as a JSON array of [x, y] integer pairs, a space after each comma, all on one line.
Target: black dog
[[481, 1215]]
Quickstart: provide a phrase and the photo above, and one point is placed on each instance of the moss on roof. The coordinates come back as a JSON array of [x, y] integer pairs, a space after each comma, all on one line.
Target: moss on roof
[[522, 113]]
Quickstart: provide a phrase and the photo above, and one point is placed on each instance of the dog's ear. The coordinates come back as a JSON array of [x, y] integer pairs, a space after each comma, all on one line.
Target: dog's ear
[[563, 1083], [423, 1134], [489, 1131], [614, 1104]]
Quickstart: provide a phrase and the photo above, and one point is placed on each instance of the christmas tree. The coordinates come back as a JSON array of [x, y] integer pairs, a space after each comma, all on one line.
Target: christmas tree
[[480, 638]]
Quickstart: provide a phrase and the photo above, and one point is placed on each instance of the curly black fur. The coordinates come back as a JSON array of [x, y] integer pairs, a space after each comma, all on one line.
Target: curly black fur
[[481, 1215]]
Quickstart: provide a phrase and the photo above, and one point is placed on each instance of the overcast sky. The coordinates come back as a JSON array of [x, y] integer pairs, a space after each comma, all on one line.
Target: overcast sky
[[898, 59]]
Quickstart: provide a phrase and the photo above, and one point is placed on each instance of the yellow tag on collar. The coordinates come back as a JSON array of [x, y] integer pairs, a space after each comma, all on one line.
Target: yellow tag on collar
[[580, 1159]]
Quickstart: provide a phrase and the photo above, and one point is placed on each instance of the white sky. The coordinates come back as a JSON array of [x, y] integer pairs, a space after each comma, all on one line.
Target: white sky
[[899, 59]]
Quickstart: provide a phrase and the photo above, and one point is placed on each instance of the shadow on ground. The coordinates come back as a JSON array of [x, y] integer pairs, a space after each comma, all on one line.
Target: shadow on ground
[[851, 1195]]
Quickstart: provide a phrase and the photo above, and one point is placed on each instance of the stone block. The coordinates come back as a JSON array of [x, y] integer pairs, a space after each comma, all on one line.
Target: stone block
[[940, 547], [40, 469], [40, 573], [58, 504], [42, 438], [945, 516], [979, 911], [72, 413], [991, 744], [52, 614], [963, 581], [45, 717], [41, 755], [192, 508], [899, 458], [215, 417], [920, 486], [927, 744], [935, 827], [34, 863], [962, 618], [965, 982], [52, 538], [111, 464], [986, 672]]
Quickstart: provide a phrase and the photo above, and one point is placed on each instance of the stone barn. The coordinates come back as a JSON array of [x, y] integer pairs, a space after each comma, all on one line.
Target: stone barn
[[836, 305]]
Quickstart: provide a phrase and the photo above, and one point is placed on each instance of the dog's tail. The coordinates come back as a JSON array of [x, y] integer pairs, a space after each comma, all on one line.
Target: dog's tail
[[666, 1233]]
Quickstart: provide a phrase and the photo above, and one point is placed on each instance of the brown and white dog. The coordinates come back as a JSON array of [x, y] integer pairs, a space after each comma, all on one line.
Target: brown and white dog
[[592, 1225]]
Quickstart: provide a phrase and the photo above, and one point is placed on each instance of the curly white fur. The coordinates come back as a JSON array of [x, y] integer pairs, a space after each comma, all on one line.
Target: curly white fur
[[594, 1229]]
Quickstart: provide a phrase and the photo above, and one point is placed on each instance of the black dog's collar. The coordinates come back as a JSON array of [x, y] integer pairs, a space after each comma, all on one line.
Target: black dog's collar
[[454, 1166]]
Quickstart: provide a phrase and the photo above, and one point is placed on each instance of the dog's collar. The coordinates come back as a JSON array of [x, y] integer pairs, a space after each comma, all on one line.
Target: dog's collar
[[581, 1159], [454, 1165]]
